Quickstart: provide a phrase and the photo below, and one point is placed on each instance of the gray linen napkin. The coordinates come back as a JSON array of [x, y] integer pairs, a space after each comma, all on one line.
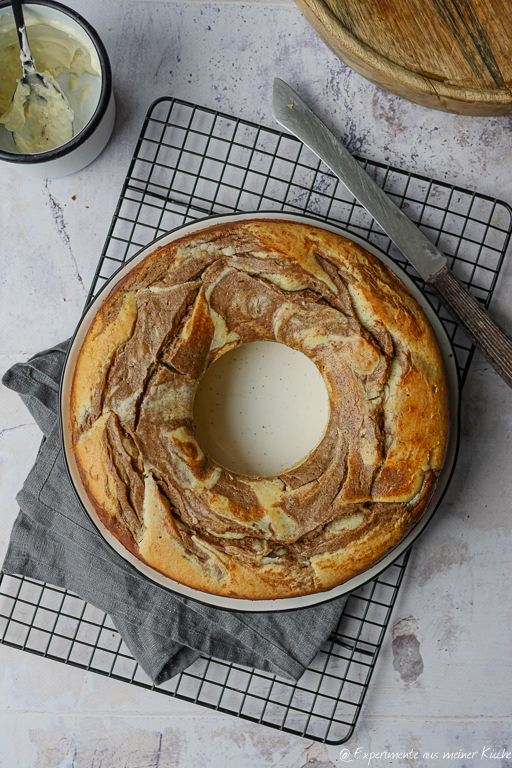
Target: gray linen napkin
[[53, 540]]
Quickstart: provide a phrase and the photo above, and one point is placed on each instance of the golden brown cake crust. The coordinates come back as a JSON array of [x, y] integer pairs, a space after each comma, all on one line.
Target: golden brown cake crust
[[315, 525]]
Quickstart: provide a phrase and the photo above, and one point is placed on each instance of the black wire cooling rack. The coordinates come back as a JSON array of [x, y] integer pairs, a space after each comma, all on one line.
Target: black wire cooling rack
[[191, 162]]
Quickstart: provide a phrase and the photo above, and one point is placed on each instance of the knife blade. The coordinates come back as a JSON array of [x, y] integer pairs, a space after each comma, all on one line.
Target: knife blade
[[292, 113]]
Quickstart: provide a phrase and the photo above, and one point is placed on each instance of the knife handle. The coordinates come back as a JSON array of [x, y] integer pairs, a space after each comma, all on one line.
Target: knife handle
[[494, 344]]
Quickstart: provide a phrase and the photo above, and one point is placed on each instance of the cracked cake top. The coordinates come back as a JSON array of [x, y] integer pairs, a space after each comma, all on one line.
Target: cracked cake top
[[316, 524]]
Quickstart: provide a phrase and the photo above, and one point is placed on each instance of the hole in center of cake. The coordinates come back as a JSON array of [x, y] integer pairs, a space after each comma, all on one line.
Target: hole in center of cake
[[260, 408]]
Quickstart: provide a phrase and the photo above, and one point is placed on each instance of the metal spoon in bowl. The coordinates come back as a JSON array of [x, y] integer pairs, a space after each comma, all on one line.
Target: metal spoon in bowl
[[39, 115]]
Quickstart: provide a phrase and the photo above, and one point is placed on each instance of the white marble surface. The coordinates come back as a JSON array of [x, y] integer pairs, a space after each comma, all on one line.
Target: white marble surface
[[457, 586]]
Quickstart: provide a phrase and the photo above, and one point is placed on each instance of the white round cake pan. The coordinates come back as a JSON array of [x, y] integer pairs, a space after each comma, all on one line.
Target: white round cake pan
[[243, 604]]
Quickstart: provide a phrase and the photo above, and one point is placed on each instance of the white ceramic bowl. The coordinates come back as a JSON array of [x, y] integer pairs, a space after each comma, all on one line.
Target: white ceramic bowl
[[98, 107], [289, 603]]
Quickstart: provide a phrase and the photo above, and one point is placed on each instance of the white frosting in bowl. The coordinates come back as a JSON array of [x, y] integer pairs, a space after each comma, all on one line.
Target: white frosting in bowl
[[70, 63]]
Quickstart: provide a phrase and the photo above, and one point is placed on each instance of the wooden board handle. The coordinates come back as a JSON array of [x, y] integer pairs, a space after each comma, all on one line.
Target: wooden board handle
[[494, 344]]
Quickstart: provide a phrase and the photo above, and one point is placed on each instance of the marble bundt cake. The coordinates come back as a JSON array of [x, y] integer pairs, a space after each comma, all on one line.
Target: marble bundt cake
[[312, 526]]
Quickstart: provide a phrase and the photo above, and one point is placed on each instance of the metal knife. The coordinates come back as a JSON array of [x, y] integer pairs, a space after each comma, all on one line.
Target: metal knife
[[291, 112]]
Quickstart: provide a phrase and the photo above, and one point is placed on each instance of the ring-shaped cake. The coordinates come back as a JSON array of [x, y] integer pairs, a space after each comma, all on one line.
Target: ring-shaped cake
[[335, 513]]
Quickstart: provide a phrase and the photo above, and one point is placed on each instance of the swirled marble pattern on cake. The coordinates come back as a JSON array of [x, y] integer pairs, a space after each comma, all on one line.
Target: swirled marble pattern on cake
[[316, 524]]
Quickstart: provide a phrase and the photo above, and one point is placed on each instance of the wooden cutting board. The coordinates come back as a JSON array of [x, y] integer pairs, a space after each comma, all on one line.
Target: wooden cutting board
[[451, 55]]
